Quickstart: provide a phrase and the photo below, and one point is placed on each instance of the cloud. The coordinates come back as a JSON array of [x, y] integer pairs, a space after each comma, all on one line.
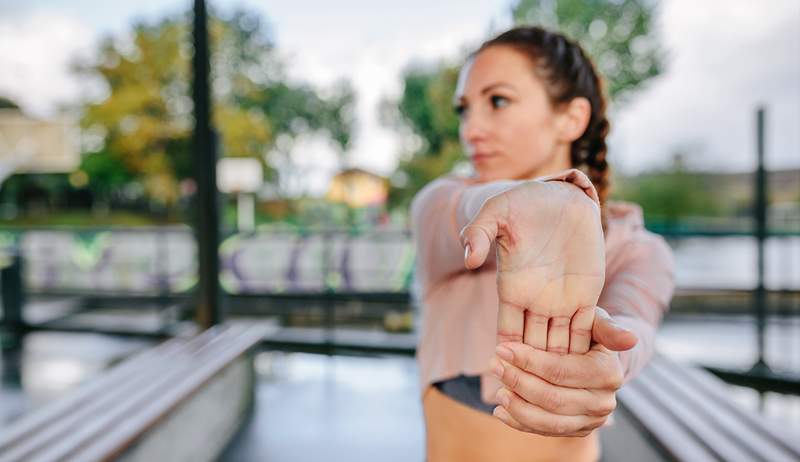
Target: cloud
[[36, 50], [726, 59]]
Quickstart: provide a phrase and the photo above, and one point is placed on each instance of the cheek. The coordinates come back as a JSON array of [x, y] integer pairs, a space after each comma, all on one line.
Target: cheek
[[530, 141]]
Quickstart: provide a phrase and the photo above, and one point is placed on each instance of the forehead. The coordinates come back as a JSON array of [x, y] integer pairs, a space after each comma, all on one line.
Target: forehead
[[493, 65]]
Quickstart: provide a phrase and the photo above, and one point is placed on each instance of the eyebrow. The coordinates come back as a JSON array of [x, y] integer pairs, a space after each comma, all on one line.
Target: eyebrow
[[493, 86], [487, 89]]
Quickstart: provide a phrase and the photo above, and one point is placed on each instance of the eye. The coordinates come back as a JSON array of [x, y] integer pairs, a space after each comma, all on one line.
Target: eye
[[499, 101], [460, 109]]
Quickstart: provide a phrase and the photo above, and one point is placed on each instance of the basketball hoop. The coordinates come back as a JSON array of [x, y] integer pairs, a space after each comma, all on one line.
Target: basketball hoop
[[30, 145]]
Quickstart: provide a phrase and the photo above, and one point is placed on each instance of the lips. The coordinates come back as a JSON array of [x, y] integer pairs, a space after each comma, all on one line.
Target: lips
[[481, 156]]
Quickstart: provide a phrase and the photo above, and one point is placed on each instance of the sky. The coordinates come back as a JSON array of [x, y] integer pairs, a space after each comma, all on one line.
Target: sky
[[725, 59]]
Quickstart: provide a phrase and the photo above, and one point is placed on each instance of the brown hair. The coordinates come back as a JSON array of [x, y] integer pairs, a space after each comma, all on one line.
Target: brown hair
[[568, 73]]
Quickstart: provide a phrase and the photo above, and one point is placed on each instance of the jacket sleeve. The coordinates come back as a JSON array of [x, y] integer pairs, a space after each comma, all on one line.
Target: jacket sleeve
[[638, 295]]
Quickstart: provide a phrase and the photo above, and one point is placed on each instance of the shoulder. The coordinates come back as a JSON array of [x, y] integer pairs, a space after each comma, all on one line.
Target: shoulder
[[627, 236], [436, 194]]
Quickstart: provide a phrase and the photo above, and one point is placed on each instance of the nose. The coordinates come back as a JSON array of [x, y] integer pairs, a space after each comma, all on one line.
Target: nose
[[473, 127]]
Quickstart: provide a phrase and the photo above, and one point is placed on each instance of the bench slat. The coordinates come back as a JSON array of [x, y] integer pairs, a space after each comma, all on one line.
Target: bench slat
[[674, 439], [711, 385], [702, 427], [121, 436], [740, 432], [70, 430]]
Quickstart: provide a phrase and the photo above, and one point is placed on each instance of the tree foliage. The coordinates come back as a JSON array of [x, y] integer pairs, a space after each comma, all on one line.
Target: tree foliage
[[671, 194], [426, 108], [145, 121], [617, 34]]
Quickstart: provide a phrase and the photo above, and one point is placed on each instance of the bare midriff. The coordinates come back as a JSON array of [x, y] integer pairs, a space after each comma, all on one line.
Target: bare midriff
[[456, 432]]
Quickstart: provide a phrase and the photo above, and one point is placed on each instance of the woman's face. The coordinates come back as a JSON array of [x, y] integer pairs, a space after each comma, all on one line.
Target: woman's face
[[509, 128]]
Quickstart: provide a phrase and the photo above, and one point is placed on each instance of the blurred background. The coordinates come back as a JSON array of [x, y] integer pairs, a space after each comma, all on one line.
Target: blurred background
[[326, 120]]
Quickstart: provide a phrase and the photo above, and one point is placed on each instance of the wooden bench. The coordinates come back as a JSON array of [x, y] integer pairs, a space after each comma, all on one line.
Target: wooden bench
[[673, 412], [181, 400]]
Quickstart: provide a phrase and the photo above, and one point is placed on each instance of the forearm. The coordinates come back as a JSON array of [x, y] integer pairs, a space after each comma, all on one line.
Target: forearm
[[438, 214], [639, 296], [636, 358]]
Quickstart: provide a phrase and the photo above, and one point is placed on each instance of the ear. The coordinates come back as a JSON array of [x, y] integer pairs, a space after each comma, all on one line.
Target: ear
[[574, 117]]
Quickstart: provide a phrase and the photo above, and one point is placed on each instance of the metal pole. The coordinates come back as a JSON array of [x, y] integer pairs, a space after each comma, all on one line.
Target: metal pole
[[206, 206], [13, 300], [760, 209]]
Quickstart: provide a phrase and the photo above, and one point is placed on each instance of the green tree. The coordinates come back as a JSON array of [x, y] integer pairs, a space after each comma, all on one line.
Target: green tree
[[6, 103], [671, 194], [618, 34], [426, 108], [145, 120]]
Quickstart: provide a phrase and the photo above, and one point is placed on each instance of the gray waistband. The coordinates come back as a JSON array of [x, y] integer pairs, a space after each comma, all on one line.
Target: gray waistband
[[465, 389]]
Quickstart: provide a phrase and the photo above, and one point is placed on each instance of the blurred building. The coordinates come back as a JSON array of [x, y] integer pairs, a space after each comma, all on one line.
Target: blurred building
[[363, 192], [358, 188]]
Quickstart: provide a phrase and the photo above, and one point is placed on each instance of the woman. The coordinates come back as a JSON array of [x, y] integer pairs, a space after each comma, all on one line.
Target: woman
[[520, 355]]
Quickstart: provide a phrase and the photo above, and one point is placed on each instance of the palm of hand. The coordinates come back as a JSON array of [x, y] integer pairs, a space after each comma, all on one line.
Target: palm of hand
[[551, 264]]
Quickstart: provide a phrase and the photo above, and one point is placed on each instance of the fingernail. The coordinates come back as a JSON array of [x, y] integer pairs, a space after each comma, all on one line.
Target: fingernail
[[467, 251], [503, 397], [500, 413], [497, 368], [619, 327], [504, 352]]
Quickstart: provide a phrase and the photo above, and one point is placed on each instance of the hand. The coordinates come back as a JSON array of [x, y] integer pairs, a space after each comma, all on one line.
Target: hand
[[551, 261], [561, 395]]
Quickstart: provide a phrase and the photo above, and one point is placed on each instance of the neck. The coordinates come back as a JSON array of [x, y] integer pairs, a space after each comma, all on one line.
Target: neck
[[558, 162]]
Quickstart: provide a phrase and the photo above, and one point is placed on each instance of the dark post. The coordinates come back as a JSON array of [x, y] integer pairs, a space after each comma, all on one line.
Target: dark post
[[13, 299], [206, 205], [760, 208]]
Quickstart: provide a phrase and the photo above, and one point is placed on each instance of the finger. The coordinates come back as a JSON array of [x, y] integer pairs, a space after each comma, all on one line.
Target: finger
[[537, 420], [501, 413], [594, 370], [535, 333], [477, 236], [558, 335], [552, 398], [610, 334], [510, 322], [580, 330]]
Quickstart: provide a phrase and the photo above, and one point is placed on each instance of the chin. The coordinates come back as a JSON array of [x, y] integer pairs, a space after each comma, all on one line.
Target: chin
[[486, 175]]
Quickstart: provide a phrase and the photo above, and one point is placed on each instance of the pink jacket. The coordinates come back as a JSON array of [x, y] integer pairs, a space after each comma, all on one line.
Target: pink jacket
[[459, 306]]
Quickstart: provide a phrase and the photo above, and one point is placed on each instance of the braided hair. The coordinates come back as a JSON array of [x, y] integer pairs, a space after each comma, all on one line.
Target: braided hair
[[568, 73]]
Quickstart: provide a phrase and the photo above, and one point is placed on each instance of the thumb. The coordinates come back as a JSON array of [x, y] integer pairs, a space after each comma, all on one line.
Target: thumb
[[611, 335], [477, 236]]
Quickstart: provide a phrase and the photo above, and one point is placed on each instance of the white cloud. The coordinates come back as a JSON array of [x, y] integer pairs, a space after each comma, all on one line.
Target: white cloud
[[36, 51], [726, 58]]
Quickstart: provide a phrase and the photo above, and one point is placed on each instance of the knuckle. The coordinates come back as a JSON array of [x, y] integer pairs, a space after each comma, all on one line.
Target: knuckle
[[611, 405], [511, 378], [553, 372], [603, 405], [527, 362], [558, 427], [597, 424], [552, 400], [614, 381]]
